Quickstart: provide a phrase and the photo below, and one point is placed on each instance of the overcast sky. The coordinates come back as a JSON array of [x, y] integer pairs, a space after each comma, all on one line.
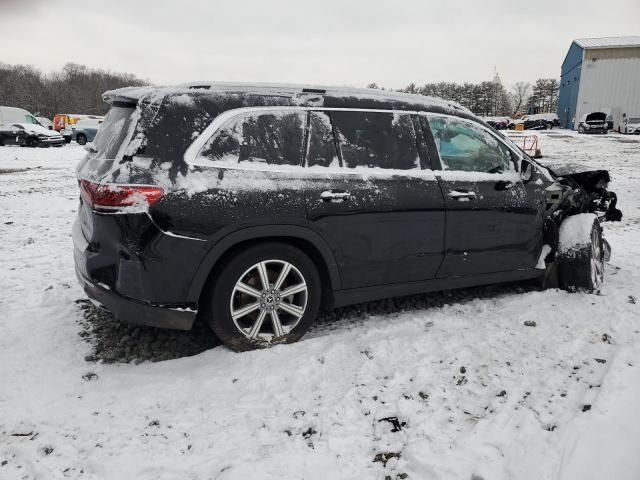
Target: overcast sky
[[334, 42]]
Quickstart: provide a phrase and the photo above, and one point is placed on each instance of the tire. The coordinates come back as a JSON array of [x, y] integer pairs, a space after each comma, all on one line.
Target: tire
[[81, 139], [258, 328], [32, 143], [581, 254], [580, 130], [67, 139]]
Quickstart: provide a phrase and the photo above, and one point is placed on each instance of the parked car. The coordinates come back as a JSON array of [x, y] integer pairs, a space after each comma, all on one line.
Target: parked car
[[45, 122], [498, 123], [85, 131], [253, 207], [537, 124], [29, 135], [549, 118], [10, 115], [66, 122], [631, 125], [595, 122]]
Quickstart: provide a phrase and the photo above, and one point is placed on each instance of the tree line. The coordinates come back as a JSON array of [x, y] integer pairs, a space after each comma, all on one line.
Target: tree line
[[73, 89], [78, 89], [491, 98]]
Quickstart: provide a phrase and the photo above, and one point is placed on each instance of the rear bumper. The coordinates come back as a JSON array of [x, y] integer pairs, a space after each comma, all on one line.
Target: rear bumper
[[134, 312], [178, 316]]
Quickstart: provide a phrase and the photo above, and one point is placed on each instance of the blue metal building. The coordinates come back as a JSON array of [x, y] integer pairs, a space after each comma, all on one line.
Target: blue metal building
[[569, 84], [600, 74]]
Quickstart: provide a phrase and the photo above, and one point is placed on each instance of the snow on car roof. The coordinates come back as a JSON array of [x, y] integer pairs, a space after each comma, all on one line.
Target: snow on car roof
[[608, 42], [136, 93]]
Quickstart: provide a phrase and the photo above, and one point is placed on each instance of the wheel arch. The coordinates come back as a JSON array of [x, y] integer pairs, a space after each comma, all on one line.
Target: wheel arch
[[303, 238]]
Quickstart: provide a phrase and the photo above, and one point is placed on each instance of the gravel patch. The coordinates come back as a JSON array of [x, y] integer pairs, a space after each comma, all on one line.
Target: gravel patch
[[116, 342]]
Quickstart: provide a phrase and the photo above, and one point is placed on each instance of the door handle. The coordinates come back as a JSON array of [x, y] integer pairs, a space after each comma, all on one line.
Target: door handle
[[335, 196], [462, 196], [503, 185]]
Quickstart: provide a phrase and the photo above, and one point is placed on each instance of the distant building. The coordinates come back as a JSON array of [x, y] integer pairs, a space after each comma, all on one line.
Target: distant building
[[600, 75]]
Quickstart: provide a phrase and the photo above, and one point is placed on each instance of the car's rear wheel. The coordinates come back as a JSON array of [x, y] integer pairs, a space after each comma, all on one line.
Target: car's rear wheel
[[81, 139], [582, 257], [265, 295]]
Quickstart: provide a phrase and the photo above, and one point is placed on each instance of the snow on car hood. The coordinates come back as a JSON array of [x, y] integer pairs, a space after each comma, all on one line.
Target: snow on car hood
[[38, 130]]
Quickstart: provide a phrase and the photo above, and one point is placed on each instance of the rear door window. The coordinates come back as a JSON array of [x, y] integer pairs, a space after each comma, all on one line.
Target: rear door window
[[376, 139], [271, 138]]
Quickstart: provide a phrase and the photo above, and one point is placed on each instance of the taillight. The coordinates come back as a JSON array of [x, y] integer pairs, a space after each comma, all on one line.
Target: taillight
[[115, 197]]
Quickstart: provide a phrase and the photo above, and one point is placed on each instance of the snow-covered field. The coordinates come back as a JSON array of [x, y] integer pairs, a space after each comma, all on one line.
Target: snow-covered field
[[455, 388]]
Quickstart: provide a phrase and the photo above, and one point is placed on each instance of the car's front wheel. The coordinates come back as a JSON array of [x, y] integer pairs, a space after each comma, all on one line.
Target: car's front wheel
[[265, 295], [581, 253]]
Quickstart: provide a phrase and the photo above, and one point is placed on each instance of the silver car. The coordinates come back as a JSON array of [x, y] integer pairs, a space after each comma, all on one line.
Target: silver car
[[85, 131]]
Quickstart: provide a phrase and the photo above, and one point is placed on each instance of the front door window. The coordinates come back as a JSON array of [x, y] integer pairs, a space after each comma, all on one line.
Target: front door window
[[467, 147]]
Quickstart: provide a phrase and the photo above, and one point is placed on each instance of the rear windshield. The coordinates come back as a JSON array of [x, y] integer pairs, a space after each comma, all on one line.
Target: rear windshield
[[113, 131]]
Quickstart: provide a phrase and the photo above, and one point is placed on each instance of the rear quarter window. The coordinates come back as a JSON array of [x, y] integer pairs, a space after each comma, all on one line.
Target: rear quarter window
[[113, 132], [271, 138]]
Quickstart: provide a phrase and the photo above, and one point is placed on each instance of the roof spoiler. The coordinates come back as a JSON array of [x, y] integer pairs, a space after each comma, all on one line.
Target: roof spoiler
[[126, 95]]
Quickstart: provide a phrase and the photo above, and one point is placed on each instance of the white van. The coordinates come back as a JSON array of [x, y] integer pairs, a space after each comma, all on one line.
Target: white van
[[16, 115]]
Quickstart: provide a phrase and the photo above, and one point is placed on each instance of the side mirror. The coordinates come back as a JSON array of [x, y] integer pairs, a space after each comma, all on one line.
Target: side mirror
[[526, 171]]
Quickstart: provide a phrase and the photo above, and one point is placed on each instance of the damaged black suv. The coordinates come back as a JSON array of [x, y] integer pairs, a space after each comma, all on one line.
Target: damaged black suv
[[253, 206]]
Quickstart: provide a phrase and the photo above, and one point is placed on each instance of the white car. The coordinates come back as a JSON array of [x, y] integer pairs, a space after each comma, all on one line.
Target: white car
[[631, 125]]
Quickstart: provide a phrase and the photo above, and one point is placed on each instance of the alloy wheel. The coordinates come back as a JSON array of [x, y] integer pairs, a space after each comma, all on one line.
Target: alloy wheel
[[268, 300]]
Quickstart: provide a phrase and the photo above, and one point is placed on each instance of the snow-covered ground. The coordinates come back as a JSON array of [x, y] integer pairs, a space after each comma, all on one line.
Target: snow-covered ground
[[458, 388]]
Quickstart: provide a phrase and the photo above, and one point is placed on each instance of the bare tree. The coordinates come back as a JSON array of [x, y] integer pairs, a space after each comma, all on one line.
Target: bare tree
[[519, 95], [74, 89]]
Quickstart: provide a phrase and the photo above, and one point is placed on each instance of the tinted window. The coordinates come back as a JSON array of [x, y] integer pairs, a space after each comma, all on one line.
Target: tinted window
[[465, 146], [274, 138], [372, 139], [322, 148]]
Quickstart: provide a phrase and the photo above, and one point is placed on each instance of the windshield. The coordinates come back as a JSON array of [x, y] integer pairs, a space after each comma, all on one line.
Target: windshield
[[113, 131]]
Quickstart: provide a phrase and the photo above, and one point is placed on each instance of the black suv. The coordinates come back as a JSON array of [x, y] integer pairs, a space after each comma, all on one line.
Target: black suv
[[253, 206]]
